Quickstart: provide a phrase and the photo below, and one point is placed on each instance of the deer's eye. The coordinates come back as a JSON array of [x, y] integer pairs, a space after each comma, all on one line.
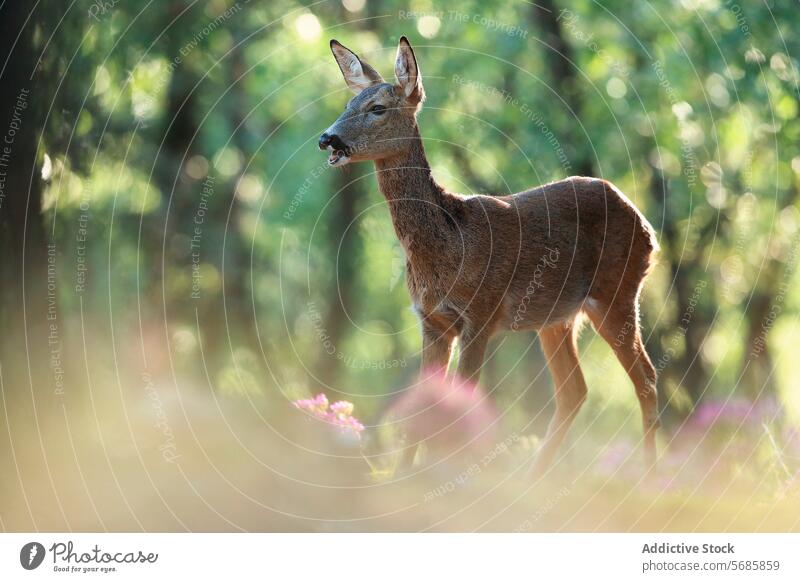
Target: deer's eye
[[378, 109]]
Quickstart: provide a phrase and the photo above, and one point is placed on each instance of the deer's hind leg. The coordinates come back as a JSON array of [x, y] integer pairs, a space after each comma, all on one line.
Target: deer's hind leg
[[561, 352], [618, 325]]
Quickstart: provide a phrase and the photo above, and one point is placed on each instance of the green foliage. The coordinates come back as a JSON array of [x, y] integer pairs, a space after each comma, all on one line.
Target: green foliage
[[691, 110]]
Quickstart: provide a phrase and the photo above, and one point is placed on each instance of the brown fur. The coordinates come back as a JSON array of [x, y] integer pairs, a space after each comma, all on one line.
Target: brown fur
[[535, 260]]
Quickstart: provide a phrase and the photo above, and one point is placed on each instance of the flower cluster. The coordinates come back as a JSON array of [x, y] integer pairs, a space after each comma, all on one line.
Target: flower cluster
[[451, 417], [339, 413], [738, 412]]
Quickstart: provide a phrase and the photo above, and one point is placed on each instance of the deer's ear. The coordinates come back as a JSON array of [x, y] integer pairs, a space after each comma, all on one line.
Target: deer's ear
[[407, 71], [357, 74]]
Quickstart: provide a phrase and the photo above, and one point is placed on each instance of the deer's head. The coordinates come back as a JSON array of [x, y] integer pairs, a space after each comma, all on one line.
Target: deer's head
[[380, 120]]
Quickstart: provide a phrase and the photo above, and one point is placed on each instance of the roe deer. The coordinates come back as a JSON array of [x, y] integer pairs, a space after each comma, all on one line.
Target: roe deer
[[541, 259]]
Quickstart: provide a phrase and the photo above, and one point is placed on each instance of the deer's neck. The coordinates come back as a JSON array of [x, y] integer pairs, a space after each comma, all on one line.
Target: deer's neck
[[420, 208]]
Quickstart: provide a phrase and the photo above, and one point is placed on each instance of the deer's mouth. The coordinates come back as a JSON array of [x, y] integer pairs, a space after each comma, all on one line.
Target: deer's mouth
[[337, 157]]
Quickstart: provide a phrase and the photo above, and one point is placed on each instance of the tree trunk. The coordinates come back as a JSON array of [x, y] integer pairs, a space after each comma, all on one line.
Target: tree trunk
[[561, 62], [238, 294], [345, 248], [757, 377], [23, 238], [688, 370]]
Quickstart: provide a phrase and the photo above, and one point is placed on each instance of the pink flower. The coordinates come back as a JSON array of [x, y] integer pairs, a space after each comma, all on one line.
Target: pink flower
[[343, 407], [734, 411], [448, 415], [340, 414], [318, 404]]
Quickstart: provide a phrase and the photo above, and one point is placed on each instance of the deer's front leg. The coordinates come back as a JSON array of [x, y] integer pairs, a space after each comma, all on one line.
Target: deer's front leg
[[437, 347], [472, 350]]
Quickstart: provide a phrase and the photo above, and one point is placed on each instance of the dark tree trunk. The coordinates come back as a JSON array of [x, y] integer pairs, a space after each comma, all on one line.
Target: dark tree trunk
[[757, 377], [561, 64], [238, 294], [23, 238], [160, 230], [27, 378], [687, 371], [345, 251]]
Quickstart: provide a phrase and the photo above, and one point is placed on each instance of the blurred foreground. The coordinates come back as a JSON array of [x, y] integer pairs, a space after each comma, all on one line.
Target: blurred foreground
[[159, 457]]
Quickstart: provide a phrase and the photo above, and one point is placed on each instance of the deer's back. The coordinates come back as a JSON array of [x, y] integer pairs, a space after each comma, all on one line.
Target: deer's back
[[531, 259]]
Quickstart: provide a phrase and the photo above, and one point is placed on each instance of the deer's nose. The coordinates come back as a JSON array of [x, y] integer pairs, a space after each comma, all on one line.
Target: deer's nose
[[325, 140]]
